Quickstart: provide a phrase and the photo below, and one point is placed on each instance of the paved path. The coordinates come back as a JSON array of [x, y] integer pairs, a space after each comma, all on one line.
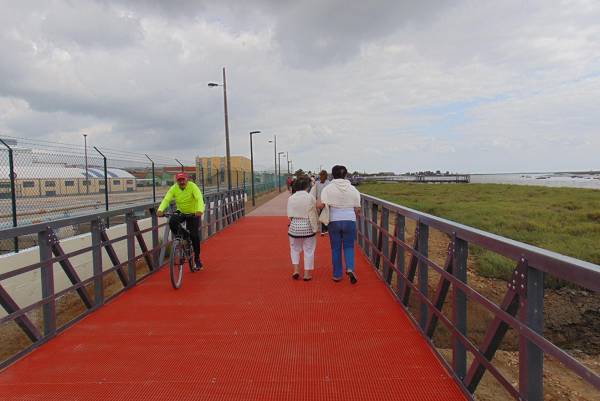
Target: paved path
[[241, 329], [275, 207]]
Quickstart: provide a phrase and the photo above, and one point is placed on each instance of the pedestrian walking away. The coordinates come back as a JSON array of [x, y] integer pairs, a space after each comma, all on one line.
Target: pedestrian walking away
[[343, 201], [301, 209]]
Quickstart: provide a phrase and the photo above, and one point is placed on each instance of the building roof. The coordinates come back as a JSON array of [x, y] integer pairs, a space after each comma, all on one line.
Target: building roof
[[58, 172]]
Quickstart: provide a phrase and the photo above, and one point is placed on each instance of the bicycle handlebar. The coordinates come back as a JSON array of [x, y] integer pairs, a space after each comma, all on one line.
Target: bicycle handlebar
[[169, 214]]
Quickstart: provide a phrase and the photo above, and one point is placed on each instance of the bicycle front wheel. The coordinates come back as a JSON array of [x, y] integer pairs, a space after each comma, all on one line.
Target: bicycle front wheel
[[177, 259]]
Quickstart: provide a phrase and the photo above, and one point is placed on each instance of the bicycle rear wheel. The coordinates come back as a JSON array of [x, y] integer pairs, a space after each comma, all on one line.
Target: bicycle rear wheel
[[177, 259], [190, 256]]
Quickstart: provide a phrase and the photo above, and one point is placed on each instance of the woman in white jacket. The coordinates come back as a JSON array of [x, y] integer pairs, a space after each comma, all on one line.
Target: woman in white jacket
[[301, 209], [344, 207]]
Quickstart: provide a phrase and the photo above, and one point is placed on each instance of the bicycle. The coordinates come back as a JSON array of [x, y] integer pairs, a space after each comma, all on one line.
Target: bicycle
[[181, 250]]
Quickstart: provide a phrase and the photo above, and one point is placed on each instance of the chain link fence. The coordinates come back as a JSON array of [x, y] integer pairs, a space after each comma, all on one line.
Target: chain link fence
[[44, 181]]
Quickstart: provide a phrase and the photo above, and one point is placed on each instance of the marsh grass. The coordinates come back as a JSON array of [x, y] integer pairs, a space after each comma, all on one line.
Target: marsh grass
[[563, 220]]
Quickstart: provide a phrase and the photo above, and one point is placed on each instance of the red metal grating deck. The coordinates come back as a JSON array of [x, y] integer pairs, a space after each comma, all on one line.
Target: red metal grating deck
[[241, 329]]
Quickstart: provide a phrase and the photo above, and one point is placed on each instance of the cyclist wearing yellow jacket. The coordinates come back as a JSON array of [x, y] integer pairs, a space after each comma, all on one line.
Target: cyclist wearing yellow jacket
[[189, 200]]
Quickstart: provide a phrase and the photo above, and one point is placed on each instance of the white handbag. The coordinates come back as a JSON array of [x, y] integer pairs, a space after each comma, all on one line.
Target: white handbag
[[313, 218], [324, 217]]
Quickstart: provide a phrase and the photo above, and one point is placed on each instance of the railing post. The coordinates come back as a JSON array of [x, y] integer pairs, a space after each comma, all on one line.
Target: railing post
[[531, 357], [374, 209], [366, 225], [209, 217], [423, 273], [400, 263], [97, 261], [359, 224], [130, 247], [459, 302], [163, 250], [385, 225], [155, 241], [216, 211], [47, 277]]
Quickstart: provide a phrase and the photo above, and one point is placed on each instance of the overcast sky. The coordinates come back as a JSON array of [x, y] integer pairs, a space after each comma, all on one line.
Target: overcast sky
[[466, 86]]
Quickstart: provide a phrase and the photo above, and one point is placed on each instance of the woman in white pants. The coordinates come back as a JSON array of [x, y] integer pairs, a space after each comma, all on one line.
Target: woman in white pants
[[302, 235]]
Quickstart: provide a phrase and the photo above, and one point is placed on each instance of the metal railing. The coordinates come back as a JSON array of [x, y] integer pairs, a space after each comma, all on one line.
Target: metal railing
[[524, 293], [222, 210]]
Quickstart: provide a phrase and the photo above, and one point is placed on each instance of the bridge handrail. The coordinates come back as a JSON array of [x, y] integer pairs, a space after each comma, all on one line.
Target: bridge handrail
[[222, 209], [525, 293]]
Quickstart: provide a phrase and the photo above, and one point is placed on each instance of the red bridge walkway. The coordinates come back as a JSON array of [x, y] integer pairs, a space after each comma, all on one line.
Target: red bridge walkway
[[241, 329]]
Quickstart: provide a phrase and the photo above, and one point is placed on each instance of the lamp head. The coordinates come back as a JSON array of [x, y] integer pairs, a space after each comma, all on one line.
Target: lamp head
[[255, 132], [212, 85]]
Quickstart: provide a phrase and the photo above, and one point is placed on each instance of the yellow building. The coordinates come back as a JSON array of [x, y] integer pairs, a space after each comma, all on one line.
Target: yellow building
[[214, 169], [52, 180]]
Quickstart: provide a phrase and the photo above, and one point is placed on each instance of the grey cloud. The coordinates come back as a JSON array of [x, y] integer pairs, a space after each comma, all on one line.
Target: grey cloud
[[319, 33], [90, 25]]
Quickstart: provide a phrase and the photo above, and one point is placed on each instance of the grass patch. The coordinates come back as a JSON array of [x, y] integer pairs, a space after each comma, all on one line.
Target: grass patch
[[563, 220]]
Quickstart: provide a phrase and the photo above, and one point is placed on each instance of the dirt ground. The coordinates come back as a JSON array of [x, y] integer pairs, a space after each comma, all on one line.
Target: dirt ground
[[571, 318]]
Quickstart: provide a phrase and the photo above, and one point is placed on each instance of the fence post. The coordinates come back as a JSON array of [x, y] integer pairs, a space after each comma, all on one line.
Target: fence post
[[105, 185], [459, 302], [182, 169], [13, 192], [202, 176]]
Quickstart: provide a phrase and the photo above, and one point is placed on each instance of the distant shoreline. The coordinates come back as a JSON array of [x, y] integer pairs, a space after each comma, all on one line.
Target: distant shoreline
[[542, 172]]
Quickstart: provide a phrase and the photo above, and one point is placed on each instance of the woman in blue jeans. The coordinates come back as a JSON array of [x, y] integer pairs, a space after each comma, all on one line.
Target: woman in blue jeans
[[344, 206]]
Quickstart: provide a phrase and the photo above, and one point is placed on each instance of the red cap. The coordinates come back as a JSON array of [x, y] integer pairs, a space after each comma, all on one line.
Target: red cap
[[180, 175]]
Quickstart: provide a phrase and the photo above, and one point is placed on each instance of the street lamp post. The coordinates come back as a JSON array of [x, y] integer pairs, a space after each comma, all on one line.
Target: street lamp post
[[287, 154], [213, 85], [279, 175], [275, 168], [87, 177], [252, 165]]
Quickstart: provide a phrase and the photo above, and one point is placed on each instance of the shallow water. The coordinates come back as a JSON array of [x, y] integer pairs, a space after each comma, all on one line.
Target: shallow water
[[545, 180]]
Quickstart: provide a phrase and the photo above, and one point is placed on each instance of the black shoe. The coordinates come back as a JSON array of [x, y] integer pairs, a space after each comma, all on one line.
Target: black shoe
[[352, 276], [198, 264]]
